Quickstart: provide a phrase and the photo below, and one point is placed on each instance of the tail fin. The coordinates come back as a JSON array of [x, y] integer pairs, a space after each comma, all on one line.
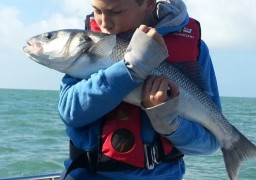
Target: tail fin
[[241, 150]]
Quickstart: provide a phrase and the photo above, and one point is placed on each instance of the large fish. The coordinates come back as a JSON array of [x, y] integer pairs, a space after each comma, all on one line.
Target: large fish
[[80, 53]]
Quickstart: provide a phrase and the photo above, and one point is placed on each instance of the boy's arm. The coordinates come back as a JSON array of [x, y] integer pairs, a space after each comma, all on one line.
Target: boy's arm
[[82, 102], [188, 136]]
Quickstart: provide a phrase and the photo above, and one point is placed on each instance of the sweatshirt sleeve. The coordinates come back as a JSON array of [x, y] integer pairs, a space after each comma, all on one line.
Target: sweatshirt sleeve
[[83, 101], [192, 137]]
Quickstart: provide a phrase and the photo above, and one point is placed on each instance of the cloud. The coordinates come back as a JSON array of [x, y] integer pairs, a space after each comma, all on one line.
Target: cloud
[[10, 27], [226, 24], [14, 32], [77, 7], [21, 72], [16, 29], [57, 21]]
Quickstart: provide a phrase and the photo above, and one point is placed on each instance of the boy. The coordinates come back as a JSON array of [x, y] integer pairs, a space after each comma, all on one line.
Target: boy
[[110, 139]]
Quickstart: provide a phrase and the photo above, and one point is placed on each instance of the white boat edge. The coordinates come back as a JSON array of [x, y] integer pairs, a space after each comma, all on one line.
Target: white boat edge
[[39, 177]]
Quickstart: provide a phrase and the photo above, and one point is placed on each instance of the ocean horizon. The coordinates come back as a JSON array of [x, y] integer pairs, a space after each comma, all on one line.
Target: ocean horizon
[[33, 139]]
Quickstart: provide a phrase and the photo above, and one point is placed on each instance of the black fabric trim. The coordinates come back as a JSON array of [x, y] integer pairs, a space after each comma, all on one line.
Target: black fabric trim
[[87, 25]]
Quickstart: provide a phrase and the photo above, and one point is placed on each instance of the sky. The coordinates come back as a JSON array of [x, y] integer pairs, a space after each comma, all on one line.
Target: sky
[[228, 28]]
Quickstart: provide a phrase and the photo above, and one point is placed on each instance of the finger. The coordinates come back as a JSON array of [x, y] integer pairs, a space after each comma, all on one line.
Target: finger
[[153, 33], [164, 86], [174, 90], [144, 28], [156, 84], [168, 88], [147, 86]]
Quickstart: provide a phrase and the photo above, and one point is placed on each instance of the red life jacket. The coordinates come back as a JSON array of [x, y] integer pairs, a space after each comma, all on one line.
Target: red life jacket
[[121, 134], [184, 45], [121, 146]]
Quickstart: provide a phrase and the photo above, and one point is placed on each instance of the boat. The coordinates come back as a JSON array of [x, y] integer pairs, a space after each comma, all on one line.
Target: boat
[[39, 177]]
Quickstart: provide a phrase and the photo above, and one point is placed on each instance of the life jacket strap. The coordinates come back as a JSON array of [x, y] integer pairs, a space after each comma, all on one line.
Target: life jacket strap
[[95, 161], [152, 156]]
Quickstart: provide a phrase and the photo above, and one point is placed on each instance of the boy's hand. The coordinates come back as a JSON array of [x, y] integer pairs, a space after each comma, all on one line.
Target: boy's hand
[[160, 98], [158, 89], [151, 32], [145, 52]]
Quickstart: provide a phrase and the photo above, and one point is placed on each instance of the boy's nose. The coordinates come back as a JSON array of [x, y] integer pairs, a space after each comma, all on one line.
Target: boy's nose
[[106, 22]]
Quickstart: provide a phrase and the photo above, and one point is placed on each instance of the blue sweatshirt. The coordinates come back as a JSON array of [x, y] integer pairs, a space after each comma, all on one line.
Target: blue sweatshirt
[[83, 103]]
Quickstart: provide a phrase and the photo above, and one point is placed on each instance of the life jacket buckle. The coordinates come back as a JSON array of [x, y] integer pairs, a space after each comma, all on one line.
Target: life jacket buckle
[[148, 157], [156, 154], [152, 156]]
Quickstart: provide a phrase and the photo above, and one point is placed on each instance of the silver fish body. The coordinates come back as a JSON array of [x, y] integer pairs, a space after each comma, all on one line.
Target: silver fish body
[[80, 53]]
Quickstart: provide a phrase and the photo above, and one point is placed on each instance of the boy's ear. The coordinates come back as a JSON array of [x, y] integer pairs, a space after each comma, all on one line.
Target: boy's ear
[[151, 4]]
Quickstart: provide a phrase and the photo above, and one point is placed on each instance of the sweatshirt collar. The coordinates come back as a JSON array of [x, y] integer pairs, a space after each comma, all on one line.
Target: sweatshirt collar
[[171, 14]]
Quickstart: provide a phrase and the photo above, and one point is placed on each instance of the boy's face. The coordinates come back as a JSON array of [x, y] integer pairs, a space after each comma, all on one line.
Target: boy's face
[[119, 16]]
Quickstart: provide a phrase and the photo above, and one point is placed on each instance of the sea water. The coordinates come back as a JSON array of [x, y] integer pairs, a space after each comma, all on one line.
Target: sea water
[[33, 139]]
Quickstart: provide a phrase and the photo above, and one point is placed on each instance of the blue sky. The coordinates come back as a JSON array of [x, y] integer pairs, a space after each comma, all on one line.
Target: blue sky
[[228, 27]]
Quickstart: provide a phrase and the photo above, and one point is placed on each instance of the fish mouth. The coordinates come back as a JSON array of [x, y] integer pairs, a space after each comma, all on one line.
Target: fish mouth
[[33, 47]]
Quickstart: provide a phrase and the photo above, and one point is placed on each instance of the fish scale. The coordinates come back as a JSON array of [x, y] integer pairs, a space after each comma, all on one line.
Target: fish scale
[[191, 88], [201, 97], [99, 51]]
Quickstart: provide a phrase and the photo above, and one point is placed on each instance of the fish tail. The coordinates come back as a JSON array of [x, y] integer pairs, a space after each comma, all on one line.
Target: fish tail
[[242, 149]]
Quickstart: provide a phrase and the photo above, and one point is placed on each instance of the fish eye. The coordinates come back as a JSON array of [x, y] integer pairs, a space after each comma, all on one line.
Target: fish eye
[[49, 36]]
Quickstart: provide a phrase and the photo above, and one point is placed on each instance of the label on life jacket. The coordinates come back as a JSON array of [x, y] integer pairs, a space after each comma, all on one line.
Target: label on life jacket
[[184, 45]]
